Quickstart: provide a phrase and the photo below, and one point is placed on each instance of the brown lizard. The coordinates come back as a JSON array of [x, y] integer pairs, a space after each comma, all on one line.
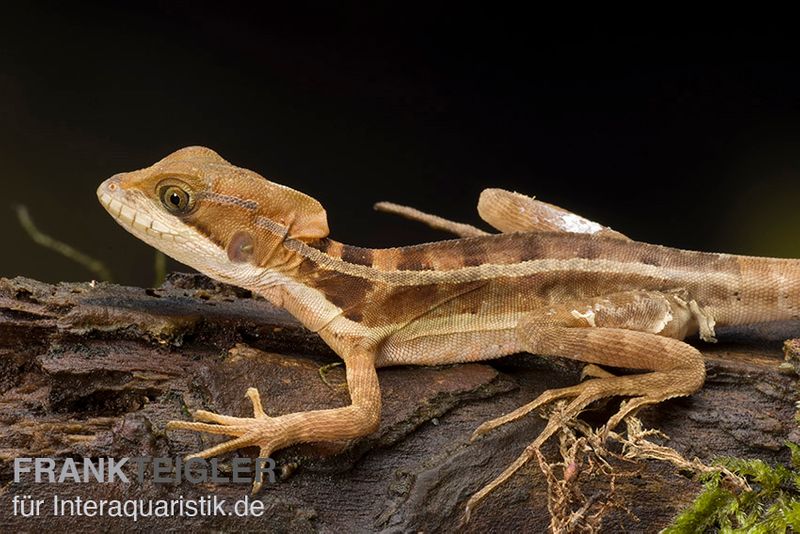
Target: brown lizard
[[552, 283]]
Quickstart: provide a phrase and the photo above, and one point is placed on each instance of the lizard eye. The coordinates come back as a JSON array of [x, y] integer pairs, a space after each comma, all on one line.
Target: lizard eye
[[175, 198]]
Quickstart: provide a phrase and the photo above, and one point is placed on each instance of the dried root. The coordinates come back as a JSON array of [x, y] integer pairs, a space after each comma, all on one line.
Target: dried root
[[585, 456]]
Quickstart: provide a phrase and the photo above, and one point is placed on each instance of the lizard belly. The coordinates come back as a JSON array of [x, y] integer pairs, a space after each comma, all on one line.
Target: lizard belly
[[455, 339]]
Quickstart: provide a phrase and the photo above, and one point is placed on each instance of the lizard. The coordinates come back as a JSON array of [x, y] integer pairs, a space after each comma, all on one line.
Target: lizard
[[551, 283]]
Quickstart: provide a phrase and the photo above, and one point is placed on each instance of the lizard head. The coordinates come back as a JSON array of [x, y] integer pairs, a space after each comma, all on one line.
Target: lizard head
[[224, 221]]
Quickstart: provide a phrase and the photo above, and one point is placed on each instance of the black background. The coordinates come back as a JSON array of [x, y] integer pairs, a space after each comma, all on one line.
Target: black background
[[683, 135]]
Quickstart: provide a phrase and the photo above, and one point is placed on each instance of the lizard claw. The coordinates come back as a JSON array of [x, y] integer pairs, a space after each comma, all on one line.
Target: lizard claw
[[484, 428], [258, 407]]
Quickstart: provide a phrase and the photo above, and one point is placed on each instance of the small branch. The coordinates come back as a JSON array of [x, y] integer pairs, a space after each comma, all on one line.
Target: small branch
[[160, 267], [97, 267]]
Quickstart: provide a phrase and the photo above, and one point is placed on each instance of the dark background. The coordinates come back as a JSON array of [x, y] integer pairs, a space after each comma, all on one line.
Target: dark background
[[685, 136]]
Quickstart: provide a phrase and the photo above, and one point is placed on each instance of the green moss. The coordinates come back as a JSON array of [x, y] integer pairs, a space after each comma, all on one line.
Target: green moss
[[771, 506]]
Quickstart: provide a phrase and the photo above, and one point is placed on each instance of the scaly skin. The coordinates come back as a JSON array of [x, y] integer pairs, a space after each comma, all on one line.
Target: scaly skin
[[560, 285]]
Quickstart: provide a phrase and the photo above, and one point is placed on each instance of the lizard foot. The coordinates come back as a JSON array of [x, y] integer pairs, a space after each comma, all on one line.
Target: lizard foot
[[675, 368], [589, 371], [260, 430], [643, 388], [269, 434]]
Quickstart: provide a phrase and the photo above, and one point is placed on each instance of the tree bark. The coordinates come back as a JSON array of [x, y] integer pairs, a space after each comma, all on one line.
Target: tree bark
[[97, 370]]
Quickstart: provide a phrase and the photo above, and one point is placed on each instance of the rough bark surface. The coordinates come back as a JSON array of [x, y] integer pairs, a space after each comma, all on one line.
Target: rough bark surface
[[96, 371]]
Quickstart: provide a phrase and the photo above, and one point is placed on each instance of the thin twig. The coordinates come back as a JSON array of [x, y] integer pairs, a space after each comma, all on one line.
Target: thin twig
[[97, 267], [160, 267], [323, 374]]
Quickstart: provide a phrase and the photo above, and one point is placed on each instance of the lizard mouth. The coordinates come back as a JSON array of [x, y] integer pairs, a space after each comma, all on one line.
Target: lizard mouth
[[133, 219]]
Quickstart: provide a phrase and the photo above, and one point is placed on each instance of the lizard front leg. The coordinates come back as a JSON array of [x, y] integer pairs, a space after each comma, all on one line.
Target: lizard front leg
[[628, 330], [360, 418]]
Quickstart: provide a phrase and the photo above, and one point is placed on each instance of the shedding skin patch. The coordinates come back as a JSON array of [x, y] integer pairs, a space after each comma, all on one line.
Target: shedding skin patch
[[705, 321], [662, 324], [579, 225], [588, 316], [240, 247]]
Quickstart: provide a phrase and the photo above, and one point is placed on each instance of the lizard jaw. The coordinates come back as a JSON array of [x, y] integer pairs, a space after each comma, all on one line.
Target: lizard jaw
[[133, 218]]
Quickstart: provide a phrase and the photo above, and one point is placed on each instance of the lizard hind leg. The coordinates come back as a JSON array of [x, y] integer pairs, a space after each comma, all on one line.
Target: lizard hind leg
[[672, 367], [582, 396]]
